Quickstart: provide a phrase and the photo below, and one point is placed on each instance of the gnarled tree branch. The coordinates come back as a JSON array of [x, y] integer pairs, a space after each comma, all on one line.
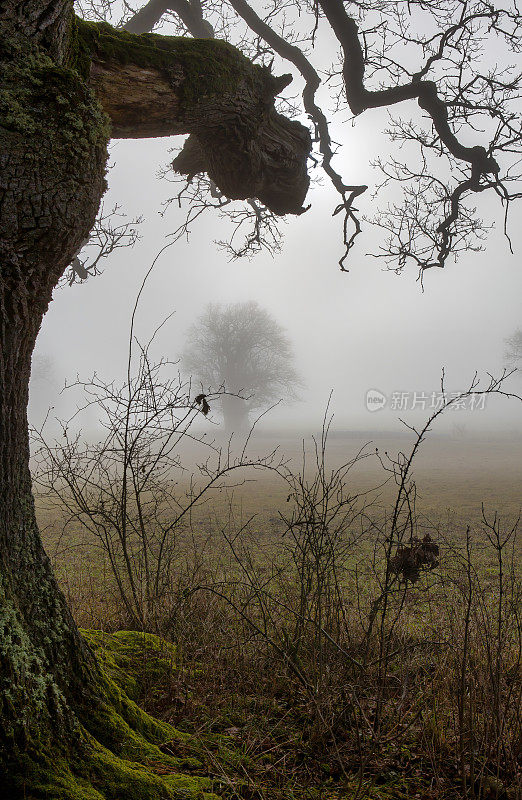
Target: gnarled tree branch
[[295, 56], [361, 99], [425, 92], [158, 86], [190, 14]]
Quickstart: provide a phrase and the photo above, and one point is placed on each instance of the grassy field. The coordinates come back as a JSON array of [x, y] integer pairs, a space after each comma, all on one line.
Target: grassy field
[[331, 675], [454, 476]]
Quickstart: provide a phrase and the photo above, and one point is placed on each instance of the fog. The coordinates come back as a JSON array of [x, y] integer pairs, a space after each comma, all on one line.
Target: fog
[[369, 329]]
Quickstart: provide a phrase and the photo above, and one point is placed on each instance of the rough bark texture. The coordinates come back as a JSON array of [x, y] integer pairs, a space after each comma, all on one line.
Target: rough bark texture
[[53, 137], [261, 154], [52, 160]]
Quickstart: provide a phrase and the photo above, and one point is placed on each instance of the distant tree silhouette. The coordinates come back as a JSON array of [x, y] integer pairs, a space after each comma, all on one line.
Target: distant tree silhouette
[[243, 349]]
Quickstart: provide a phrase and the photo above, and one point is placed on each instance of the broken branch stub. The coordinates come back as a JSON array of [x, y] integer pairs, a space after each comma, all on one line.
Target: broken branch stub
[[248, 149]]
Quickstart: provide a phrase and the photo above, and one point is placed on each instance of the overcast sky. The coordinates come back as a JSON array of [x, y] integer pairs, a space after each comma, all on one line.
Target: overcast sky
[[369, 329]]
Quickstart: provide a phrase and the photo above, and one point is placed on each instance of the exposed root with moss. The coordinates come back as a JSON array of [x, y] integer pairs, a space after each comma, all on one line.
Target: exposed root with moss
[[118, 750]]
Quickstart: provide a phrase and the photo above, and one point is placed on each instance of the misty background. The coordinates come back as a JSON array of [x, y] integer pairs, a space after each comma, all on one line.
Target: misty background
[[370, 329]]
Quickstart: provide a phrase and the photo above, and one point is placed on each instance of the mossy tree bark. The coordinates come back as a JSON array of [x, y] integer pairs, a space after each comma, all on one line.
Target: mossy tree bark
[[54, 73], [53, 139]]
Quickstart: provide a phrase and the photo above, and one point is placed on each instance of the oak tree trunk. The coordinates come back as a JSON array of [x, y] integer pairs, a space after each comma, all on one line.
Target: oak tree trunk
[[52, 156], [53, 136]]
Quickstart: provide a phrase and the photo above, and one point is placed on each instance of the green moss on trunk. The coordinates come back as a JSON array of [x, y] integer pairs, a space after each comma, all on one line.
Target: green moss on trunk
[[116, 753], [42, 100], [199, 67]]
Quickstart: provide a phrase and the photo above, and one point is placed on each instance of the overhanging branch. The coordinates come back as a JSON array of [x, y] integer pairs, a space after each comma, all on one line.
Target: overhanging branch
[[153, 85]]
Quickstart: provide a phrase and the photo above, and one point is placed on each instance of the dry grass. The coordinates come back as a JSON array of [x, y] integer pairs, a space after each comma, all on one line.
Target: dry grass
[[334, 676]]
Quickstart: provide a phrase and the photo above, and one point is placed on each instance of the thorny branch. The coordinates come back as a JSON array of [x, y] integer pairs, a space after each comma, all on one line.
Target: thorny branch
[[128, 487]]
